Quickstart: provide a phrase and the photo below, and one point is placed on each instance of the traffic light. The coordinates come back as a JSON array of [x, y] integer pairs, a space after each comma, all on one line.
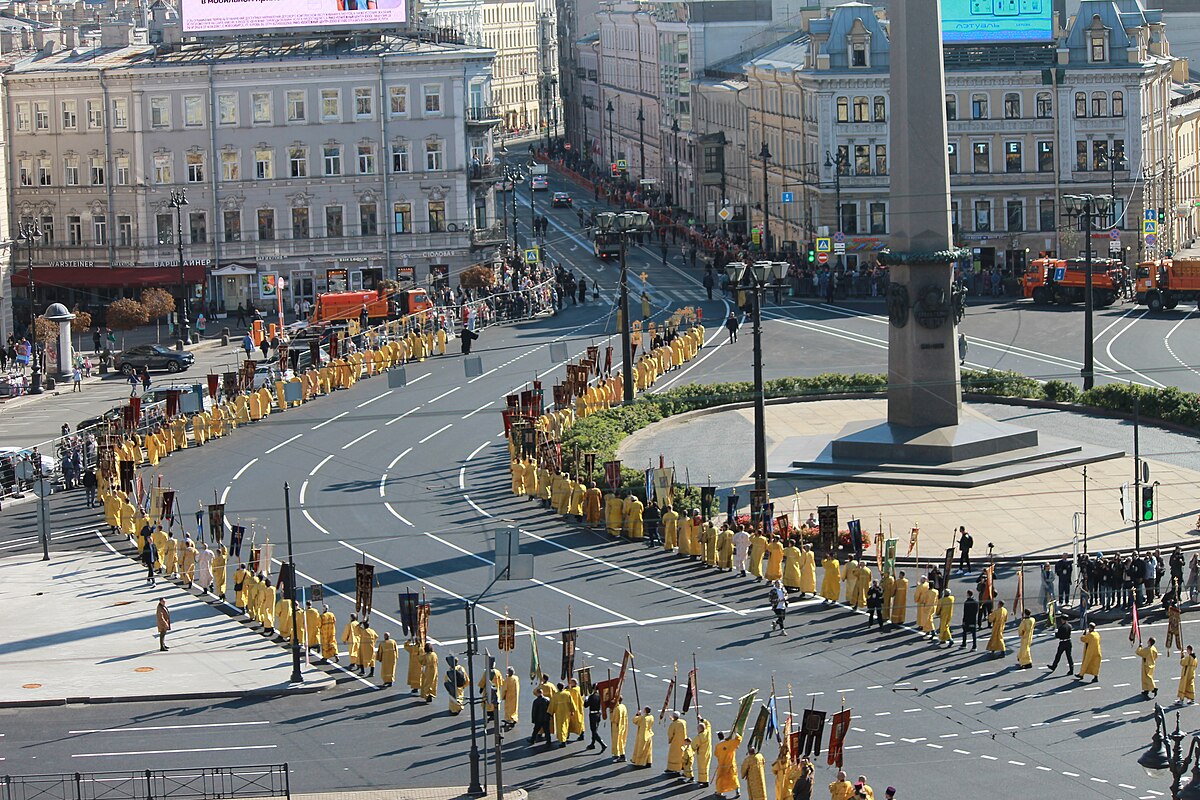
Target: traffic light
[[616, 171], [812, 254], [1162, 216], [1147, 503]]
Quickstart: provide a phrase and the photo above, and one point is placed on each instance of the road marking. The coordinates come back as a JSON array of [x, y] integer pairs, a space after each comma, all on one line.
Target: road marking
[[476, 411], [396, 460], [284, 443], [303, 489], [989, 758], [485, 374], [313, 522], [447, 426], [171, 727], [331, 419], [322, 463], [353, 442], [1119, 334], [180, 750], [475, 506], [443, 394], [963, 752], [475, 452], [1070, 774], [1017, 763], [402, 416], [373, 399], [397, 514], [248, 465]]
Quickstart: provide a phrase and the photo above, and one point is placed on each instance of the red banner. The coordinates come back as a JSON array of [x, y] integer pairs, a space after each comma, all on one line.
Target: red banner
[[837, 736]]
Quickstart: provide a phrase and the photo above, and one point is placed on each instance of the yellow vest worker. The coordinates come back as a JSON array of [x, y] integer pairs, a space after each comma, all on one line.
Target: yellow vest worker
[[329, 649], [676, 736], [618, 720], [1149, 656], [754, 771], [727, 774], [389, 654], [945, 611], [997, 619], [429, 664], [643, 750]]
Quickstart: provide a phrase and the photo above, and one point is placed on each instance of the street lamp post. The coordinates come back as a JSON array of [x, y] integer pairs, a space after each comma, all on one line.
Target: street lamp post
[[30, 233], [612, 151], [624, 225], [757, 279], [765, 155], [178, 201], [641, 120], [675, 137], [838, 163], [287, 511], [1166, 754], [1084, 208]]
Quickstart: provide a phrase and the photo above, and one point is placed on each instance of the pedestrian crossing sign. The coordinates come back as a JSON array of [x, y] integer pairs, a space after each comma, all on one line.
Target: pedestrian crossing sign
[[1149, 226], [622, 164], [531, 255], [823, 244]]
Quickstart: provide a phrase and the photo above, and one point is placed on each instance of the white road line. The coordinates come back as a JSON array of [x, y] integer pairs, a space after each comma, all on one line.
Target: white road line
[[447, 426], [284, 443], [331, 419], [710, 351], [225, 492], [171, 727], [383, 485], [396, 460], [303, 489], [248, 465], [397, 514], [475, 506], [443, 394], [402, 416], [1118, 362], [373, 399], [180, 750], [484, 374], [475, 452], [353, 442], [476, 411], [320, 464]]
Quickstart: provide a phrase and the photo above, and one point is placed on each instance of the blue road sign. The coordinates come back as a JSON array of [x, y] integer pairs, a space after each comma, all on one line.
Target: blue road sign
[[788, 197]]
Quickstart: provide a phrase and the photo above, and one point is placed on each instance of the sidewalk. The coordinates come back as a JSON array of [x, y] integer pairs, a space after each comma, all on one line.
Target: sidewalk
[[82, 630], [431, 793]]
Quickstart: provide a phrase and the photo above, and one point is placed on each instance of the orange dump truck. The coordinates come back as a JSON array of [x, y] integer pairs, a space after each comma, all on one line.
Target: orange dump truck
[[1162, 284], [1057, 280], [381, 305]]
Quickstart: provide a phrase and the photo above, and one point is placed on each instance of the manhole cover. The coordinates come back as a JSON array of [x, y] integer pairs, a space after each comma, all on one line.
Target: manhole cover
[[123, 603], [32, 686], [143, 669]]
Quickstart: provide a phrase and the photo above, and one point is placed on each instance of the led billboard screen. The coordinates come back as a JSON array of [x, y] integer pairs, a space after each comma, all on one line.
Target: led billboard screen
[[234, 16], [993, 21]]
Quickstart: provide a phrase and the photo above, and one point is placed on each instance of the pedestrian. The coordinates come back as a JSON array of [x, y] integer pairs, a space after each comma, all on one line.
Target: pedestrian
[[149, 553], [133, 384], [731, 325], [663, 250], [265, 345], [241, 314], [594, 709], [466, 337], [540, 715], [1187, 676], [875, 605], [970, 619], [162, 619], [1091, 654], [965, 543], [583, 287], [76, 379], [1063, 569], [1025, 634], [962, 348], [145, 379], [708, 283], [89, 487], [1149, 655], [1062, 633], [779, 603], [1193, 581], [96, 339]]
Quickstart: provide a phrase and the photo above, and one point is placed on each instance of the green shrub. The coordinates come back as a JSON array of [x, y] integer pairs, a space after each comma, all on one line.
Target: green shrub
[[1061, 392]]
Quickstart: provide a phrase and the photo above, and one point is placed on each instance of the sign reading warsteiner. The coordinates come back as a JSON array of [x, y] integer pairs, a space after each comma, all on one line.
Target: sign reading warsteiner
[[228, 16]]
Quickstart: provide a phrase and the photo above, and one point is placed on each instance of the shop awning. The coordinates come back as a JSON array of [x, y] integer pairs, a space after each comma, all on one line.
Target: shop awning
[[108, 277]]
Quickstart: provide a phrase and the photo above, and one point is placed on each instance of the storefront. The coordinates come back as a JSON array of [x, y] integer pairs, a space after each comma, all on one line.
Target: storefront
[[89, 286], [230, 286]]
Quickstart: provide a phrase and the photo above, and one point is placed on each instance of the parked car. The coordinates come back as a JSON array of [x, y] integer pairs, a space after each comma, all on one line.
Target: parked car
[[21, 461], [561, 200], [539, 183], [154, 356]]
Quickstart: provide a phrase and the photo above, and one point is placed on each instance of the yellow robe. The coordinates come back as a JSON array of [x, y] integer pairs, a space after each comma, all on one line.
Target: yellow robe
[[413, 679], [1187, 677], [1090, 665], [754, 771], [831, 583], [643, 750], [791, 567], [997, 618], [576, 711], [350, 636], [725, 550], [727, 774], [560, 710], [670, 529], [618, 721], [702, 746], [312, 627], [329, 647], [774, 570], [900, 601], [512, 698], [613, 515], [808, 572], [429, 669], [389, 654], [676, 733], [926, 603], [945, 610], [850, 581], [367, 642], [1025, 632], [220, 570], [241, 585], [758, 548], [1149, 656]]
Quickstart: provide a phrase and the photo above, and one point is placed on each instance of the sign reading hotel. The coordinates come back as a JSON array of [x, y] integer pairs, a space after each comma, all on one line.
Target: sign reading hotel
[[996, 21], [235, 16]]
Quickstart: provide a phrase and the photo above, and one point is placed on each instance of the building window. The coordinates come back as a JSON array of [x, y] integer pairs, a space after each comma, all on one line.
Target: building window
[[843, 159], [368, 219], [1118, 104], [398, 101], [70, 115], [858, 55], [160, 112], [300, 223], [260, 108], [120, 112], [1099, 155], [951, 107], [1012, 106], [227, 108], [45, 174], [981, 157], [1012, 157], [881, 167], [331, 105], [1081, 155], [266, 224], [333, 222], [983, 215], [193, 111], [860, 109], [25, 172], [862, 159], [232, 222], [95, 115], [437, 216], [1098, 50], [849, 218], [1014, 215], [74, 230], [366, 159], [198, 227], [432, 92], [1080, 104], [979, 106], [296, 102], [1099, 104], [878, 218], [333, 159], [298, 162], [1045, 156], [124, 230], [433, 156], [48, 230], [41, 116], [879, 113], [264, 164], [195, 167], [97, 170], [122, 167], [1045, 105], [24, 117], [71, 171], [99, 230], [230, 166], [364, 103], [1118, 154], [843, 110], [162, 169], [1046, 220], [402, 217], [400, 162]]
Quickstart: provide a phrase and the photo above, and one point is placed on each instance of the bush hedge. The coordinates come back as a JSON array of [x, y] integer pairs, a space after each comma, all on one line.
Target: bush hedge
[[602, 433]]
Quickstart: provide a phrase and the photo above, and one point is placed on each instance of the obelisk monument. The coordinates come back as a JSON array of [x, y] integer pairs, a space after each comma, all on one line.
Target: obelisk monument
[[923, 370]]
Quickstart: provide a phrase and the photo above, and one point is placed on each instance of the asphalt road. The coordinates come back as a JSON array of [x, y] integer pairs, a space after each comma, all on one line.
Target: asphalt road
[[414, 480]]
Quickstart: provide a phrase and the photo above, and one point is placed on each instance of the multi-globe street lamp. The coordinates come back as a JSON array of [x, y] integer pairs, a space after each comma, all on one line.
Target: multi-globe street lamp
[[1089, 210], [624, 225]]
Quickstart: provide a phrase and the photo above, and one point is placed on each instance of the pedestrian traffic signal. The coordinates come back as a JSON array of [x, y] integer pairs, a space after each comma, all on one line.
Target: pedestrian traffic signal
[[812, 254], [1147, 503], [1162, 216], [616, 170]]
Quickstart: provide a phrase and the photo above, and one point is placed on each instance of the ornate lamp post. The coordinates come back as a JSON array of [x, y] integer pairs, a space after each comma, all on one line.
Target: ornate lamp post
[[837, 163], [29, 234], [1085, 208], [625, 225], [178, 201], [1166, 754]]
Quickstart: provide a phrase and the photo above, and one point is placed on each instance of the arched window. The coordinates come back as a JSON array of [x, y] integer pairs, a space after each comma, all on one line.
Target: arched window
[[843, 110], [979, 106], [1080, 104], [1099, 104], [1012, 106], [1118, 104], [1045, 105], [880, 113]]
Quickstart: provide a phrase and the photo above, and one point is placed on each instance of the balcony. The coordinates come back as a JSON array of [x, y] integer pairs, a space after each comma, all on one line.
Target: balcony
[[484, 116], [488, 237], [483, 173]]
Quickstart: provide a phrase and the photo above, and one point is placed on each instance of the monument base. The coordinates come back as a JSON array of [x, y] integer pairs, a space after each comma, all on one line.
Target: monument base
[[976, 452]]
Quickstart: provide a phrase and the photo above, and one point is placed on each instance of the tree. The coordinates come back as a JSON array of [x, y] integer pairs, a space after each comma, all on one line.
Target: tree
[[82, 322], [159, 303], [126, 314], [480, 276], [47, 331]]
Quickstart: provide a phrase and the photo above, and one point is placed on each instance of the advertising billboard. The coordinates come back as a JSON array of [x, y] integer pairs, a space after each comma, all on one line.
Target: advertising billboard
[[997, 21], [235, 16]]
